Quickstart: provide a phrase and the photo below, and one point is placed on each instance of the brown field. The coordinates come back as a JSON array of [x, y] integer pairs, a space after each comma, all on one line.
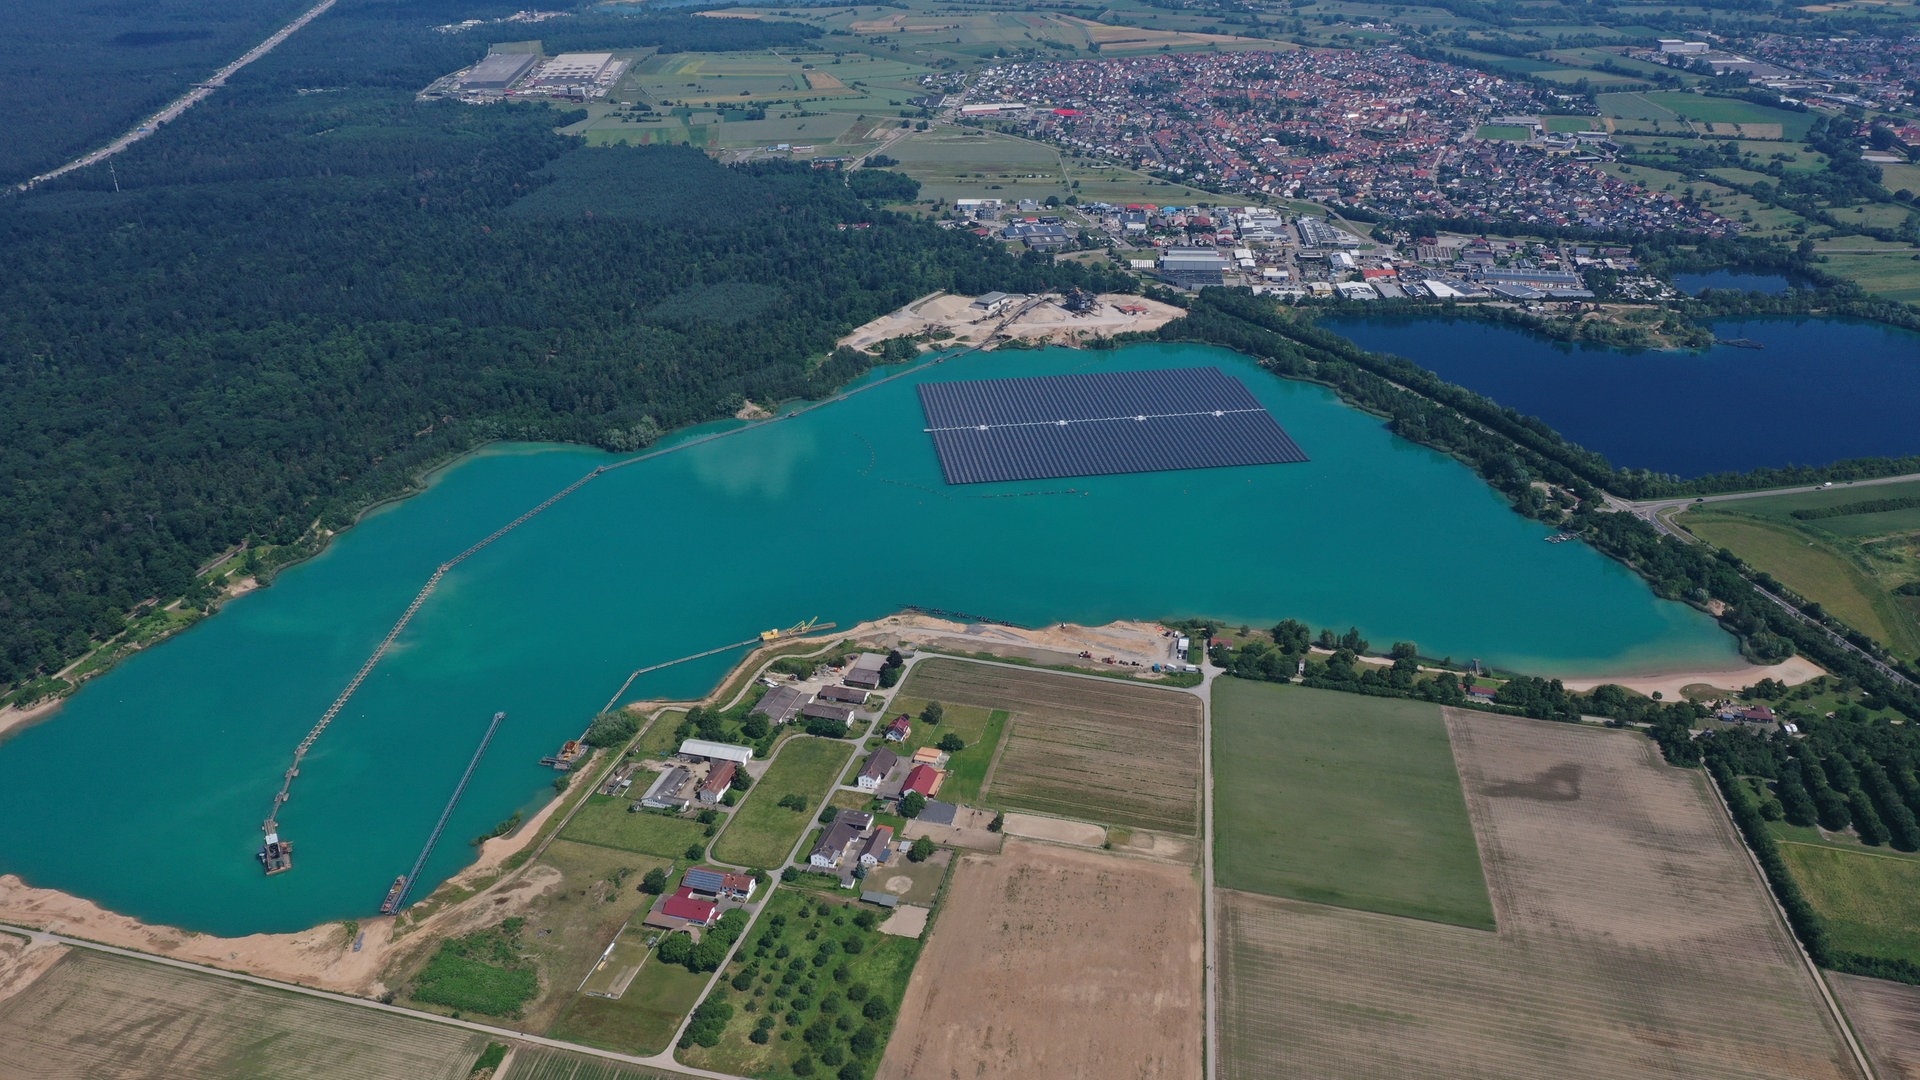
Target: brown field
[[99, 1017], [1886, 1019], [1635, 940], [1051, 962], [820, 80], [1090, 749]]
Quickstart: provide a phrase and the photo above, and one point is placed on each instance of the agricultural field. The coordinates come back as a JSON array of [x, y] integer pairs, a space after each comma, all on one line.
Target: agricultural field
[[1744, 118], [605, 821], [100, 1017], [1884, 1016], [1087, 748], [1849, 563], [643, 1019], [970, 163], [762, 833], [980, 728], [1869, 900], [1047, 961], [822, 983], [1884, 269], [540, 1063], [1291, 821], [1635, 940]]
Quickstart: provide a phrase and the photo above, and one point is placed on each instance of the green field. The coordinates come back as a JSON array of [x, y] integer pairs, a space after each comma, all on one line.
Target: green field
[[809, 962], [978, 727], [970, 163], [1573, 123], [1506, 132], [641, 1021], [1344, 800], [540, 1063], [1849, 564], [605, 821], [1869, 901], [763, 832], [1671, 105]]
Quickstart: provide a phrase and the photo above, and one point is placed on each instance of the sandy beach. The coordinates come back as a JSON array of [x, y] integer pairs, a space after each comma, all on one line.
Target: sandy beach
[[1793, 671]]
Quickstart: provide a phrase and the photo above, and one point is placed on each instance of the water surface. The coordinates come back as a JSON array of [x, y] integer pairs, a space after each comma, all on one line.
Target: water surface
[[146, 791], [1739, 281], [1819, 391]]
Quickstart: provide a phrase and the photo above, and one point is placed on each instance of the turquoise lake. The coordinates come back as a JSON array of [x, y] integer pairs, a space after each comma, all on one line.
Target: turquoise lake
[[145, 792]]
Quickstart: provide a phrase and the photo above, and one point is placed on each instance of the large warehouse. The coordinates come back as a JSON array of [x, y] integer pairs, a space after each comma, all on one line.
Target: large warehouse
[[575, 67], [498, 71]]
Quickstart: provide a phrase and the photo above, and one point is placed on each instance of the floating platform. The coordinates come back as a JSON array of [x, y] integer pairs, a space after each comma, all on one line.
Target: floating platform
[[276, 855], [1100, 424], [571, 751]]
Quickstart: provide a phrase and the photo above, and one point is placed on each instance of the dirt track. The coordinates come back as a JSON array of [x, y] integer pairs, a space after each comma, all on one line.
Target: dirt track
[[1052, 962]]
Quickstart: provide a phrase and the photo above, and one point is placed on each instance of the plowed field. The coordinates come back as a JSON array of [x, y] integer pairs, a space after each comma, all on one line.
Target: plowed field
[[1635, 941]]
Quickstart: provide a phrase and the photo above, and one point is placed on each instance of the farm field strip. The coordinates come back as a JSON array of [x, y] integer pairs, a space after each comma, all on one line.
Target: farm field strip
[[1096, 970], [1882, 1014], [1122, 754], [100, 1017], [531, 1063], [1631, 929]]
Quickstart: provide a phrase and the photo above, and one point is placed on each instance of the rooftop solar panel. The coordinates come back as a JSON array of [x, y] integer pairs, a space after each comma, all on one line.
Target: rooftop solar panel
[[1100, 424]]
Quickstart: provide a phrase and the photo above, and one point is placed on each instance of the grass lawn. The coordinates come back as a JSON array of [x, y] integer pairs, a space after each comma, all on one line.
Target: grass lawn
[[1345, 800], [605, 821], [980, 728], [1870, 901], [1815, 566], [642, 1020], [763, 832], [799, 968], [1573, 123]]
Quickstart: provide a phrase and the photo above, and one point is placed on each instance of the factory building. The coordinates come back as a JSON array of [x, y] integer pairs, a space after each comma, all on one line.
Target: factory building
[[498, 72]]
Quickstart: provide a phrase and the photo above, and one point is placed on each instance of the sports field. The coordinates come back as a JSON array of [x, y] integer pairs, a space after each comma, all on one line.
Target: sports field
[[1291, 818], [1869, 900], [100, 1017], [1090, 749], [762, 832], [1505, 132], [1635, 940]]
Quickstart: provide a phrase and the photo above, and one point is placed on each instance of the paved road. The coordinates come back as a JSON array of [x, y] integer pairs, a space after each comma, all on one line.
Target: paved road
[[1660, 513], [200, 92]]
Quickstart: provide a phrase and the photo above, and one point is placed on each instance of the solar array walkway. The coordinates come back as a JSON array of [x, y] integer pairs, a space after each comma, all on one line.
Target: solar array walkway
[[1100, 424]]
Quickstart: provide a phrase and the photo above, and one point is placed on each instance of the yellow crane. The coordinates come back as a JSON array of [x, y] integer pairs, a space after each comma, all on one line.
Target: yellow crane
[[796, 630]]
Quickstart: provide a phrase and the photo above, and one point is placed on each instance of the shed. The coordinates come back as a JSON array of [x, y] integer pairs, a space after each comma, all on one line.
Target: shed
[[865, 671], [780, 704], [825, 710], [716, 751], [851, 695], [884, 899]]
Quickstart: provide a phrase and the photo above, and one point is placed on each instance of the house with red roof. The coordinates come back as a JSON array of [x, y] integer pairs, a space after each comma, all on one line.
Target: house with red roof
[[924, 780], [900, 730], [691, 907]]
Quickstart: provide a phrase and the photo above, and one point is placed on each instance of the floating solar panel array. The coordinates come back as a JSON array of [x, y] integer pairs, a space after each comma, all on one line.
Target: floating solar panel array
[[1100, 424]]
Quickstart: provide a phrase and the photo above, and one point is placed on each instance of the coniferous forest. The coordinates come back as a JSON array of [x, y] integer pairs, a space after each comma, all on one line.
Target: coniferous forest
[[296, 300]]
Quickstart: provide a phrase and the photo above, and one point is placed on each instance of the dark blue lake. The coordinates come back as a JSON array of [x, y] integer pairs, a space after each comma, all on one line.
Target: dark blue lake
[[1821, 390], [1770, 284]]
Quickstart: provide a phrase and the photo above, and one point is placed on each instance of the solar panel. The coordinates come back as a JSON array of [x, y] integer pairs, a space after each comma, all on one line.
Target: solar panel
[[1100, 424]]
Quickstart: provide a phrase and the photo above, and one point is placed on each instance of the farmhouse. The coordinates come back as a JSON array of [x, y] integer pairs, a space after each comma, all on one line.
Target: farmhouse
[[878, 846], [849, 827], [849, 695], [826, 710], [874, 773], [780, 704], [923, 780], [719, 883], [702, 750], [682, 910], [865, 671], [900, 730], [927, 755], [718, 782], [665, 794]]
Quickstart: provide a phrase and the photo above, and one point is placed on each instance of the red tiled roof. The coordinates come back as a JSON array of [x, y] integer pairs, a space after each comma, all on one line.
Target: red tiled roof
[[923, 779], [686, 905]]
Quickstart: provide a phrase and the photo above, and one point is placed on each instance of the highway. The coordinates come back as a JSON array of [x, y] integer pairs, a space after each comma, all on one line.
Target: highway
[[188, 100], [1660, 513]]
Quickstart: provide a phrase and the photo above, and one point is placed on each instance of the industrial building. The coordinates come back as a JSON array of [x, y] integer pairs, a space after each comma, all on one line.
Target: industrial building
[[1191, 268], [498, 72], [716, 751], [575, 67]]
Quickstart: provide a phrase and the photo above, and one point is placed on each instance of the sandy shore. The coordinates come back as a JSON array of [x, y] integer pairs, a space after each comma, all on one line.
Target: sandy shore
[[1792, 671], [13, 716]]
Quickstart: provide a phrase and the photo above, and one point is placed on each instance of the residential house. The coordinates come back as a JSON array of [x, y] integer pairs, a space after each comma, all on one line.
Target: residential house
[[924, 780], [718, 782], [848, 827], [719, 883], [878, 846], [900, 730], [874, 773]]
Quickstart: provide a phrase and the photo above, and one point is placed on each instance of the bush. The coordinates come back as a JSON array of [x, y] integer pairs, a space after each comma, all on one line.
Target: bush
[[612, 729], [952, 743], [655, 882], [921, 851], [911, 804], [828, 728], [932, 713], [793, 802], [482, 972], [709, 1021], [827, 815]]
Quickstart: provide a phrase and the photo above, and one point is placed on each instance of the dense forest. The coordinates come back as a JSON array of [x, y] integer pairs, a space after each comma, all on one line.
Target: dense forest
[[295, 301]]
